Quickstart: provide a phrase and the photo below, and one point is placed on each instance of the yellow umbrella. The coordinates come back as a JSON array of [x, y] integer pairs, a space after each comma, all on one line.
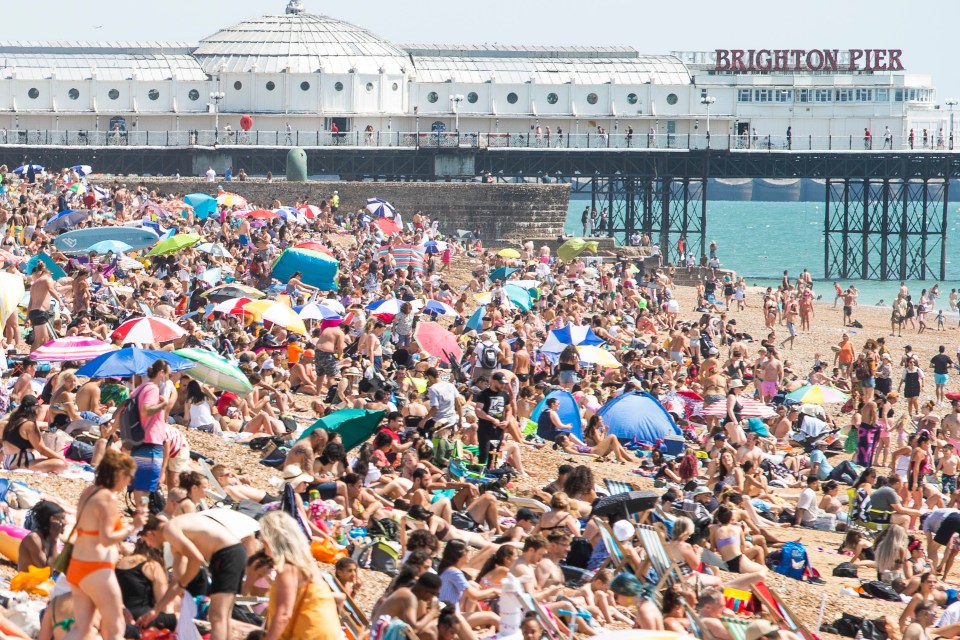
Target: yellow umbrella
[[597, 355], [11, 292], [231, 200], [509, 253], [277, 313]]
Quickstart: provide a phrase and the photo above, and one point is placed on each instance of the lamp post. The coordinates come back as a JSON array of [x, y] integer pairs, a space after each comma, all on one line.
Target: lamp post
[[216, 96], [455, 101], [708, 100], [951, 103]]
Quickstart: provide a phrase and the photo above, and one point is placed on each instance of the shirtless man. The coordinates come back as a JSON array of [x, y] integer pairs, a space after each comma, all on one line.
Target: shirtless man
[[24, 384], [521, 362], [772, 371], [303, 374], [244, 234], [197, 540], [750, 451], [848, 299], [417, 606], [236, 489], [558, 546], [790, 314], [526, 568], [88, 397], [950, 425], [42, 289], [329, 350]]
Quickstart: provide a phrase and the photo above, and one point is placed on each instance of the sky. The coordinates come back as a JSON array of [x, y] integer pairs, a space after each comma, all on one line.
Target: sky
[[652, 27]]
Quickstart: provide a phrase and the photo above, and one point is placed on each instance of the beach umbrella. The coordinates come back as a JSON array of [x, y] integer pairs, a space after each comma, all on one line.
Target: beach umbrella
[[597, 355], [231, 200], [147, 331], [380, 208], [129, 264], [818, 394], [568, 410], [437, 308], [509, 253], [6, 256], [502, 273], [260, 214], [387, 225], [638, 416], [430, 247], [216, 371], [77, 187], [233, 306], [23, 169], [203, 205], [82, 169], [749, 408], [100, 193], [174, 244], [130, 361], [355, 426], [110, 246], [475, 322], [72, 348], [385, 307], [174, 205], [314, 246], [12, 291], [317, 269], [291, 215], [228, 291], [406, 256], [213, 249], [309, 210], [335, 305], [438, 342], [517, 296], [66, 219], [570, 334], [277, 313], [573, 247], [315, 311]]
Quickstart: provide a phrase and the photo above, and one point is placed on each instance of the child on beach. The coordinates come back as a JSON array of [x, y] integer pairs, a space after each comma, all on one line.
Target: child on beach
[[947, 466], [940, 320]]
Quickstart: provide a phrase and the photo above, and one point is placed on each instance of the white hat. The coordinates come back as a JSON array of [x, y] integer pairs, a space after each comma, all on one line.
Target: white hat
[[267, 364], [623, 530], [736, 383], [293, 474]]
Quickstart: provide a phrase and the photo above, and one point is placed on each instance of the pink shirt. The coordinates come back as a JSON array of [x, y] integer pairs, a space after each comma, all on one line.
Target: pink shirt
[[148, 395]]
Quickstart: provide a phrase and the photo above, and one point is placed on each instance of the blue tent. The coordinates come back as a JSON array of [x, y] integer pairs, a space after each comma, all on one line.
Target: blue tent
[[568, 410], [638, 416], [318, 269]]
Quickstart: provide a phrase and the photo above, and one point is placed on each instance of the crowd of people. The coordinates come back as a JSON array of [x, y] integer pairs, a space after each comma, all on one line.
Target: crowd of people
[[425, 492]]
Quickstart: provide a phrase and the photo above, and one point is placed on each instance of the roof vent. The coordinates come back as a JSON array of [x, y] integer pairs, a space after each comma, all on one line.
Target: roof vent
[[294, 7]]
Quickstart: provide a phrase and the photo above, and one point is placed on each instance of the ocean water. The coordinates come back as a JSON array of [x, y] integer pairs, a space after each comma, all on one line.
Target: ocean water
[[761, 239]]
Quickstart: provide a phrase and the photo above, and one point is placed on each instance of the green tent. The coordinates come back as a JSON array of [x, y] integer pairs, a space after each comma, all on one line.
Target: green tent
[[355, 426], [572, 248]]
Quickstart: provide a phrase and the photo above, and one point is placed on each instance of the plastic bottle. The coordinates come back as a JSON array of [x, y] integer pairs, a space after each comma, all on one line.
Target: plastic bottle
[[511, 614]]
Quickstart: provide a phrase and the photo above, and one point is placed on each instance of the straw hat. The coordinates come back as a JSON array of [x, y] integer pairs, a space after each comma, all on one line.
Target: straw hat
[[293, 474]]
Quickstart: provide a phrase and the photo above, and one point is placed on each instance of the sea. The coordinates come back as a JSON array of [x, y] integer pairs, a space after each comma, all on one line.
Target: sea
[[760, 239]]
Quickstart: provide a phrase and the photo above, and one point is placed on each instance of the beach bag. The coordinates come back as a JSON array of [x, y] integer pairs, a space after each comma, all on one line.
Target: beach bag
[[21, 496], [879, 590], [850, 444], [488, 357], [463, 521], [793, 561], [62, 561], [386, 529], [129, 427], [845, 570], [379, 556], [327, 551]]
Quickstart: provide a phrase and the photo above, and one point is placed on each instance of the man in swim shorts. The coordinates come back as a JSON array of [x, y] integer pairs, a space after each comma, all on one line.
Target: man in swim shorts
[[328, 352]]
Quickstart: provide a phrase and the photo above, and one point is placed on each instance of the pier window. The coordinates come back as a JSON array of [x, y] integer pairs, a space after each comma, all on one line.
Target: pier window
[[193, 94], [369, 87], [823, 95], [744, 95], [593, 98], [804, 95], [153, 94], [671, 98], [763, 95], [844, 95], [553, 98], [33, 93], [512, 98], [632, 98], [304, 86], [113, 94], [237, 85], [395, 86], [472, 97], [864, 95], [338, 86], [432, 97], [271, 86], [898, 95], [784, 95], [883, 95], [73, 94]]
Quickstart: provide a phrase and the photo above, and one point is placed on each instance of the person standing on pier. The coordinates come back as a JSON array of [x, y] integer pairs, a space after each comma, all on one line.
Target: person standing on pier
[[789, 138], [867, 138], [887, 138]]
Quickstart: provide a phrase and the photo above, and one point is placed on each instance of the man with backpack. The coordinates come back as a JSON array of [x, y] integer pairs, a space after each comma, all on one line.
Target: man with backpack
[[486, 357], [143, 428]]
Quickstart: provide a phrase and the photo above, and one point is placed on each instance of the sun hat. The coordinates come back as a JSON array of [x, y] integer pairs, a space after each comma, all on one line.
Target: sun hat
[[623, 530], [700, 491], [736, 383], [293, 474]]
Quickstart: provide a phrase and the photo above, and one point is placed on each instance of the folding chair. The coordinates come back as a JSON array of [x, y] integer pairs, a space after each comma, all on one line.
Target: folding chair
[[663, 565], [736, 627], [530, 503], [354, 621], [853, 511], [554, 627], [780, 611], [214, 491], [616, 558], [616, 487], [697, 627]]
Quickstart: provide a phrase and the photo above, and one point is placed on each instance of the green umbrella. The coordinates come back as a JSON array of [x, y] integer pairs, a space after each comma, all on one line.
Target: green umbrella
[[174, 244], [573, 247], [216, 371], [355, 426]]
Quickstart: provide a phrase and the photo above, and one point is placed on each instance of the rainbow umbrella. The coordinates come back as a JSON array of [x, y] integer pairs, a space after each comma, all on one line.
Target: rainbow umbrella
[[73, 348], [231, 200], [818, 394]]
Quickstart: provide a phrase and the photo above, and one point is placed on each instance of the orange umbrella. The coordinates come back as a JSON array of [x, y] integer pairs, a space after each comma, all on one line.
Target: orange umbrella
[[388, 226], [437, 341]]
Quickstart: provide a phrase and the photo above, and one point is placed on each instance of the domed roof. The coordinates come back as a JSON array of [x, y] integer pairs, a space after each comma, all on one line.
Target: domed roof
[[298, 42]]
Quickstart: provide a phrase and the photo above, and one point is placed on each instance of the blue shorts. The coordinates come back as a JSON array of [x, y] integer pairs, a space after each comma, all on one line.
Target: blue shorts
[[149, 459], [568, 377], [940, 379], [869, 383]]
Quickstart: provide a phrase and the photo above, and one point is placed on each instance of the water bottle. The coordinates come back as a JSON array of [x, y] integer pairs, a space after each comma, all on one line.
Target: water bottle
[[511, 613]]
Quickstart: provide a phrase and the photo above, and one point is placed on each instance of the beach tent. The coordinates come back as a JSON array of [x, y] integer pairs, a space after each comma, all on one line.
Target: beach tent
[[318, 269], [406, 255], [567, 408], [638, 416]]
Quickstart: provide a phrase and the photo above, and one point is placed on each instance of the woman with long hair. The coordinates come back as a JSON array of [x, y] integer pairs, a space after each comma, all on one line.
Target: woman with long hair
[[199, 408], [456, 589], [99, 531], [143, 581], [302, 606], [893, 568], [196, 485], [568, 365], [22, 442], [727, 539]]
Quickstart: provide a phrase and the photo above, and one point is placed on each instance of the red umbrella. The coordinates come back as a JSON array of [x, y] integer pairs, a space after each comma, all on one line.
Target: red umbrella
[[315, 246], [749, 409], [261, 214], [388, 226], [437, 341], [309, 210], [147, 331]]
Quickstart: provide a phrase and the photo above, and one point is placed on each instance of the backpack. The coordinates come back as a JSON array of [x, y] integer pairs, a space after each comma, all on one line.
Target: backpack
[[129, 427], [845, 570], [879, 590], [384, 529], [489, 358], [793, 561], [379, 556], [862, 370]]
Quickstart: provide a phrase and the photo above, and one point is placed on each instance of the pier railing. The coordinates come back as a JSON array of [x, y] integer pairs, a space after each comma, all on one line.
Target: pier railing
[[480, 140]]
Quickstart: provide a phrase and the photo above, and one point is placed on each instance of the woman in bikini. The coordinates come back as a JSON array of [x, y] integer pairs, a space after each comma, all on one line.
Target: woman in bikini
[[99, 530], [559, 516], [727, 539]]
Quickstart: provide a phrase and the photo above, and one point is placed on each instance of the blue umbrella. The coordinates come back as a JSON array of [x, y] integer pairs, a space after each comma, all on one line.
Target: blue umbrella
[[66, 219], [570, 334], [430, 247], [128, 362], [502, 273], [82, 169], [380, 208], [23, 169], [203, 205], [476, 320], [107, 246], [437, 308]]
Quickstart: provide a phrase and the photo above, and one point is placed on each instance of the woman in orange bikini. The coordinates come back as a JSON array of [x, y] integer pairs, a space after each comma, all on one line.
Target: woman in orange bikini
[[99, 530]]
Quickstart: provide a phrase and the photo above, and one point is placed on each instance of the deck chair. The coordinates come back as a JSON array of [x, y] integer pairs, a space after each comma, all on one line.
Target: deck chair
[[736, 627], [616, 487], [354, 621], [530, 503], [663, 565], [780, 611], [214, 491], [616, 558], [697, 628], [555, 628], [853, 512], [459, 472]]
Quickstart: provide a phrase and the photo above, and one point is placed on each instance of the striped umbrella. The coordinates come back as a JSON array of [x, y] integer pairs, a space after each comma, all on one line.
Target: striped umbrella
[[147, 331], [406, 255], [577, 335], [749, 408], [818, 394], [215, 370], [74, 348]]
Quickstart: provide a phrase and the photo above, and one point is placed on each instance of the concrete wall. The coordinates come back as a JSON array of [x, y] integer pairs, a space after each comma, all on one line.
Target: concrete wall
[[501, 211]]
